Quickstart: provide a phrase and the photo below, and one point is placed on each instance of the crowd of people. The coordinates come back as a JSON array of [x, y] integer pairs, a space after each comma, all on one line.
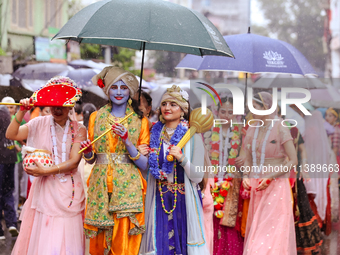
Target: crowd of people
[[125, 194]]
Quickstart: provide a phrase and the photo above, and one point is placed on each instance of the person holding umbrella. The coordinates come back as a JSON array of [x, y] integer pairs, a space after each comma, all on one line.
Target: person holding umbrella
[[114, 218], [174, 215]]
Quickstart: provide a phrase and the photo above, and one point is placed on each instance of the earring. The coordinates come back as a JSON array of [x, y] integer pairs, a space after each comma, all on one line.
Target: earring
[[182, 116], [130, 101]]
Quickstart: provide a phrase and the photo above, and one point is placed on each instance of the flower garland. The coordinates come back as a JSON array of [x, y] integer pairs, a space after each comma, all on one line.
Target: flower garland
[[155, 148], [263, 151], [223, 183], [63, 146], [55, 151]]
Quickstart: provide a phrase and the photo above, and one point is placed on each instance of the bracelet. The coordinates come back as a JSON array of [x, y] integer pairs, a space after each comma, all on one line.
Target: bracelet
[[184, 162], [88, 159], [135, 158], [58, 168], [15, 117], [181, 159]]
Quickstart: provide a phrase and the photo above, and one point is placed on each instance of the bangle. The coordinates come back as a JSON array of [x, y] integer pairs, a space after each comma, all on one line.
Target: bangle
[[58, 168], [88, 159], [184, 162], [181, 159], [135, 158], [15, 117]]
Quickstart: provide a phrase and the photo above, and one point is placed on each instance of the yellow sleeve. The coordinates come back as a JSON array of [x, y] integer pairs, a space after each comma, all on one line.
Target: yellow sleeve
[[91, 125], [144, 137]]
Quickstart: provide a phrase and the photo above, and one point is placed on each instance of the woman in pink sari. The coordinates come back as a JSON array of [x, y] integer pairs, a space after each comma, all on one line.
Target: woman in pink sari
[[270, 228], [52, 217]]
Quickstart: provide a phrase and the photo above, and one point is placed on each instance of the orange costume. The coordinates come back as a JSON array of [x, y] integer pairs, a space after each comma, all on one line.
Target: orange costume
[[114, 218]]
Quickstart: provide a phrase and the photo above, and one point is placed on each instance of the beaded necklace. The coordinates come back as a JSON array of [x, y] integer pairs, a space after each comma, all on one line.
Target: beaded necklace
[[55, 150], [263, 151], [159, 181]]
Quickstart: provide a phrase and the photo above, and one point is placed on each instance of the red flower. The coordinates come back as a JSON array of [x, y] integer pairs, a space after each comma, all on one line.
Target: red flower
[[218, 206], [42, 161], [214, 162], [100, 83], [231, 161], [31, 160], [234, 146], [215, 146], [216, 129], [47, 161], [236, 128], [223, 192]]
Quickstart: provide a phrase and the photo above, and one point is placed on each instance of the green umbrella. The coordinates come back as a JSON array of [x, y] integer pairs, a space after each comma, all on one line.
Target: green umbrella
[[145, 25]]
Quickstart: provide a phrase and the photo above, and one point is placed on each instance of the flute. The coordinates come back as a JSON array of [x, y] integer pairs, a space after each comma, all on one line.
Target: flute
[[107, 131]]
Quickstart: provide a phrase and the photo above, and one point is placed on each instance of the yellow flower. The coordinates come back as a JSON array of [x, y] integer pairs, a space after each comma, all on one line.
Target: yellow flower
[[214, 154], [233, 153], [235, 136], [215, 137], [220, 200]]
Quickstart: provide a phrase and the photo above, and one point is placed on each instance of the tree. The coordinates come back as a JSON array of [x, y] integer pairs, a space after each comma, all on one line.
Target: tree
[[166, 61], [300, 23], [124, 58]]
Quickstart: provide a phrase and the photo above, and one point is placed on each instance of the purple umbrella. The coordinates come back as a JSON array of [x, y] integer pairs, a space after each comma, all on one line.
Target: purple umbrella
[[253, 54]]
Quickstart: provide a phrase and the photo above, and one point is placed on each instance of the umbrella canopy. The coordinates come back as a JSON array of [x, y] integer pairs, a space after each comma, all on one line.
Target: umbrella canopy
[[41, 71], [81, 76], [253, 54], [145, 24], [81, 63], [288, 80]]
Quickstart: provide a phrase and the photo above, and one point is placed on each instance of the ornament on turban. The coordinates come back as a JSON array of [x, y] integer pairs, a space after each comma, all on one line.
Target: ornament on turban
[[110, 75]]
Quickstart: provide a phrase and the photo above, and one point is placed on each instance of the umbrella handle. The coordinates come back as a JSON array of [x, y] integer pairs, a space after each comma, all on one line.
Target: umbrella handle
[[66, 105]]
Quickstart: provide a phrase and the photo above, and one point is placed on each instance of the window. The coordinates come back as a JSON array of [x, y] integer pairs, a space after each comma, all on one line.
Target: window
[[22, 13], [53, 12]]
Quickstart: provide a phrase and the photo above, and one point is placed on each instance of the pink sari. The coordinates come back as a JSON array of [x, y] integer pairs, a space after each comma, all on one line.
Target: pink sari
[[270, 225], [49, 226]]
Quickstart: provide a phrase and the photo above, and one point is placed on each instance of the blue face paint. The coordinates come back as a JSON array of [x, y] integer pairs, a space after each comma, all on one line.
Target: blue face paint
[[119, 93]]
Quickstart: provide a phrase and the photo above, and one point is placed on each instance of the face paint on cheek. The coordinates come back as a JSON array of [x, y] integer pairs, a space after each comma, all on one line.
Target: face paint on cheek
[[119, 95]]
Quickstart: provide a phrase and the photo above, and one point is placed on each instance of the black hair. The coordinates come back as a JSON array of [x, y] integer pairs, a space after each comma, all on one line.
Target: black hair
[[78, 108], [148, 100], [88, 109], [225, 99], [42, 107], [135, 105]]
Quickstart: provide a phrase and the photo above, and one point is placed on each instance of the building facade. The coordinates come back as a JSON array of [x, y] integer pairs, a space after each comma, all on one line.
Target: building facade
[[23, 21], [229, 16]]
